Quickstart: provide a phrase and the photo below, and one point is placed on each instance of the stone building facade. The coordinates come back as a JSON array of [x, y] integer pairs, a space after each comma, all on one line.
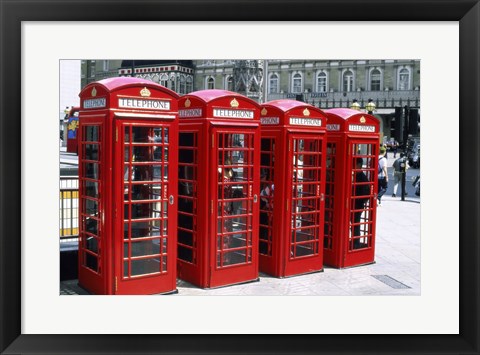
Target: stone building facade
[[390, 83]]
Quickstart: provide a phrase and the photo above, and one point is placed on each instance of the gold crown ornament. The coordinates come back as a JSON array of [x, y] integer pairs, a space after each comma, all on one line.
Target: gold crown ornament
[[234, 103], [145, 92]]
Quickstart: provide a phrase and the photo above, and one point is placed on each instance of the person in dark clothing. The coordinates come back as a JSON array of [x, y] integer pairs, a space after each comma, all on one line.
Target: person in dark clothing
[[361, 196]]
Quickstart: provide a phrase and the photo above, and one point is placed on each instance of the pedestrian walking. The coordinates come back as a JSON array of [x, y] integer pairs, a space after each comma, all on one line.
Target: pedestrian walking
[[395, 148], [382, 174], [400, 167]]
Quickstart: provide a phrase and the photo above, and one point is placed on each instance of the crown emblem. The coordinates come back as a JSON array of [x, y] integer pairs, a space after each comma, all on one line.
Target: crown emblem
[[94, 92], [187, 103], [234, 103], [306, 112], [362, 119], [264, 111], [145, 92]]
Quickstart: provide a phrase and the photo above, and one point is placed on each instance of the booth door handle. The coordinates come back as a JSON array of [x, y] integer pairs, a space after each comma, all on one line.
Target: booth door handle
[[171, 199], [255, 198]]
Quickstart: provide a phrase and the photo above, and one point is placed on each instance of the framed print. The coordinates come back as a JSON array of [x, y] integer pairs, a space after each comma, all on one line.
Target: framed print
[[97, 324]]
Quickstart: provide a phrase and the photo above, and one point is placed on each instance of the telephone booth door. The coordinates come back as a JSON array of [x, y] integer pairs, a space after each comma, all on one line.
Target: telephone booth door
[[219, 169], [128, 163], [306, 211], [234, 205], [361, 202], [351, 188], [145, 242]]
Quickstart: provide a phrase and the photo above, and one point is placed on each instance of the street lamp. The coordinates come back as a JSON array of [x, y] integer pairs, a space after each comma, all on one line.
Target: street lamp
[[355, 105], [370, 106]]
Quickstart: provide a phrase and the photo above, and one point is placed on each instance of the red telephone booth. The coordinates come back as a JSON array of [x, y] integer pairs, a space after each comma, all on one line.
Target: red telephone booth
[[292, 183], [128, 165], [218, 186], [351, 188], [72, 126]]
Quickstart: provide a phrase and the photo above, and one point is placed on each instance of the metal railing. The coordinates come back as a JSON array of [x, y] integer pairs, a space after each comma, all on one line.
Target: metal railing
[[69, 208], [382, 99]]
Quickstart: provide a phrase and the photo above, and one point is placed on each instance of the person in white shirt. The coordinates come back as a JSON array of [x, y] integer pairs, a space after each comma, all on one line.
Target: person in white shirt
[[382, 174]]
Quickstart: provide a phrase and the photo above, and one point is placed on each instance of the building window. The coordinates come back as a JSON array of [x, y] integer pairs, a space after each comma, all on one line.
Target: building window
[[322, 82], [229, 83], [210, 83], [348, 81], [403, 79], [189, 84], [297, 83], [183, 85], [106, 65], [163, 80], [173, 83], [273, 87], [375, 80]]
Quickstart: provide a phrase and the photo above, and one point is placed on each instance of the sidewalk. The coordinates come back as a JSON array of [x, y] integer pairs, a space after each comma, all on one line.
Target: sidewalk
[[396, 270]]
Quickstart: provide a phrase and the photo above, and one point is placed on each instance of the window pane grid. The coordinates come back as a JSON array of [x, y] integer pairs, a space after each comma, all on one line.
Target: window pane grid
[[90, 206], [305, 206], [362, 200], [266, 195], [235, 198], [187, 197], [145, 166]]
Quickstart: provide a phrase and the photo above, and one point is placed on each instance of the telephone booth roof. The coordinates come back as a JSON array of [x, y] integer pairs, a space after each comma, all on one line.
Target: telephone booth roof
[[118, 83], [352, 121], [217, 104], [130, 94], [291, 113]]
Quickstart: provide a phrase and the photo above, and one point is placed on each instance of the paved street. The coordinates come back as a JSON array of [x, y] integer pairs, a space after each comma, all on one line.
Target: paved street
[[395, 272]]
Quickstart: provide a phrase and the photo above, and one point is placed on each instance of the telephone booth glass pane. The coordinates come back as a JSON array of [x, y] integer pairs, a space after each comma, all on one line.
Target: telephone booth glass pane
[[234, 198], [187, 196], [329, 195], [90, 238], [305, 208], [145, 206], [267, 160], [362, 195]]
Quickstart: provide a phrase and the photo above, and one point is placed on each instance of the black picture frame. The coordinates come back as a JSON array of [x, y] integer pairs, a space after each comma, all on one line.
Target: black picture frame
[[13, 12]]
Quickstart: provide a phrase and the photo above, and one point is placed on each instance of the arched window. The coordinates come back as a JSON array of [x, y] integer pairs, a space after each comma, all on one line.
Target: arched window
[[273, 82], [321, 82], [163, 80], [189, 84], [210, 83], [229, 83], [403, 79], [297, 83], [173, 83], [375, 80], [347, 81], [183, 86]]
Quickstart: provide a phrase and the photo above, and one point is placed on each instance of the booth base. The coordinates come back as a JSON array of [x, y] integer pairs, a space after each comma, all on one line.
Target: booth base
[[234, 284], [221, 286], [351, 266], [299, 274]]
